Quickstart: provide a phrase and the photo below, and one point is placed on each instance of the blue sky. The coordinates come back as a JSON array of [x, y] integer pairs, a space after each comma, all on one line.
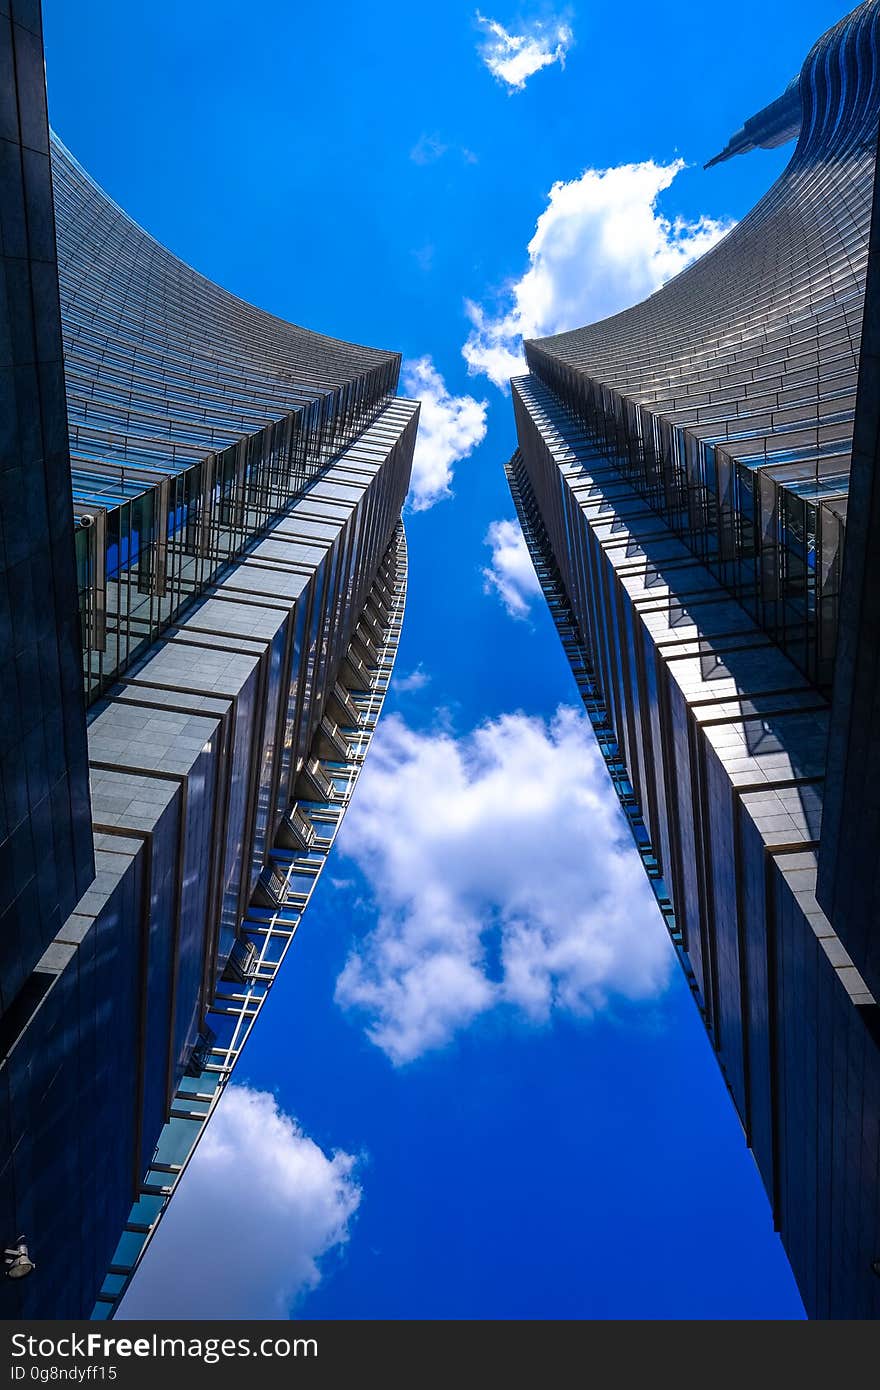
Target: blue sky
[[531, 1124]]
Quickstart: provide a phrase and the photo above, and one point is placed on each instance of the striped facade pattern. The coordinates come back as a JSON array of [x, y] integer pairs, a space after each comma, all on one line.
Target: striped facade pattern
[[237, 485], [728, 398], [194, 419], [682, 476]]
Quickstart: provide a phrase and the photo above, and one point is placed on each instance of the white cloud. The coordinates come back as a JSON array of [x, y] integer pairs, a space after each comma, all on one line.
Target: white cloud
[[514, 58], [450, 428], [258, 1207], [416, 680], [431, 146], [428, 149], [599, 246], [503, 874], [511, 575]]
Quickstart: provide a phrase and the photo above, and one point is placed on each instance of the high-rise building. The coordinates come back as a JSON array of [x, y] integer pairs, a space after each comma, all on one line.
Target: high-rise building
[[203, 582], [682, 478]]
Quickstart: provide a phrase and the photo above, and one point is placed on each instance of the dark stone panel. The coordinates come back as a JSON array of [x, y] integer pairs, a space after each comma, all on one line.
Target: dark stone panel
[[164, 891], [45, 832], [760, 1018], [687, 892], [27, 13], [67, 1108], [193, 929], [825, 1087], [234, 866], [30, 75], [657, 759], [720, 836], [849, 865]]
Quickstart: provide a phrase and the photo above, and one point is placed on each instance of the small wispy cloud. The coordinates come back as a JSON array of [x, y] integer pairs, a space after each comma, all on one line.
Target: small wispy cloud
[[450, 428], [511, 574], [428, 149], [431, 146], [416, 680], [514, 58]]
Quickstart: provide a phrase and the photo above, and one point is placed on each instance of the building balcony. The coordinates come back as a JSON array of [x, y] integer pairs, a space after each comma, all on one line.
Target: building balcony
[[313, 783], [377, 612], [342, 707], [354, 672], [332, 742], [271, 889], [296, 831], [364, 647], [201, 1053], [242, 962], [375, 623]]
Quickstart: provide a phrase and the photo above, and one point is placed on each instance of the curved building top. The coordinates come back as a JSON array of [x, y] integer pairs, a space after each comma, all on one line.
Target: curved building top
[[773, 126], [728, 396], [162, 366], [195, 420]]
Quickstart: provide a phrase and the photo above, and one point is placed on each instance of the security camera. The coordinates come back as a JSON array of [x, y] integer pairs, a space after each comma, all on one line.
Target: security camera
[[17, 1262]]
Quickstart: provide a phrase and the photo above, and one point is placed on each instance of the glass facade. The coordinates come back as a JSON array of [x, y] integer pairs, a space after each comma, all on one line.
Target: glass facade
[[45, 830], [267, 932], [728, 397], [227, 572], [194, 419], [682, 480]]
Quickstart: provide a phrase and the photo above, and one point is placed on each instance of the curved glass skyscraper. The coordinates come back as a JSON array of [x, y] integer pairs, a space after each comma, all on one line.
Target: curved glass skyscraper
[[683, 478], [204, 579], [166, 375]]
